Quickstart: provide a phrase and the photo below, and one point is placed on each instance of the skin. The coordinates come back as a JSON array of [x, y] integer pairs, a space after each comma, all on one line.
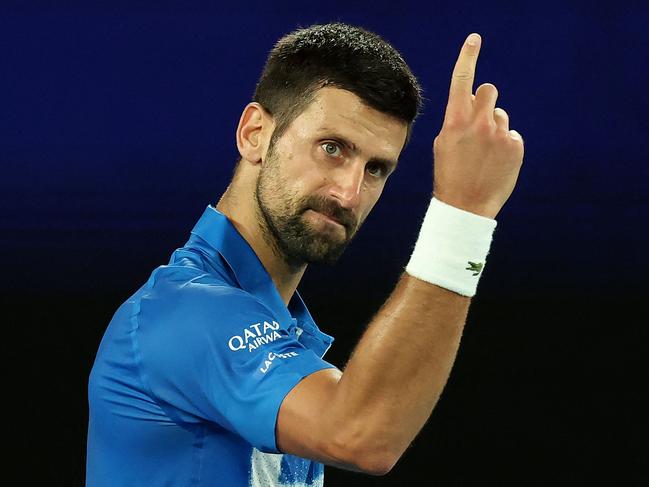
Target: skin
[[364, 418], [348, 180]]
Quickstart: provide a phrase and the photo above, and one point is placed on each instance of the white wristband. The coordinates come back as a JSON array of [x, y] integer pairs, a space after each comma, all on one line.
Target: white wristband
[[452, 248]]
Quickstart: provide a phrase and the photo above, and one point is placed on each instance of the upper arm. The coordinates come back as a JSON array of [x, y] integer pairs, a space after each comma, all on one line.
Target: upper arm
[[315, 421], [306, 423]]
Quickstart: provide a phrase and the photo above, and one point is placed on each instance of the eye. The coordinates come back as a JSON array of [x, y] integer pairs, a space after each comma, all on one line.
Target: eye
[[330, 149], [375, 169]]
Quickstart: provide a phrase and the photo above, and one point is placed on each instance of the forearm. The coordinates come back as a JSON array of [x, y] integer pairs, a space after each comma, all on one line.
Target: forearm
[[365, 417], [399, 368]]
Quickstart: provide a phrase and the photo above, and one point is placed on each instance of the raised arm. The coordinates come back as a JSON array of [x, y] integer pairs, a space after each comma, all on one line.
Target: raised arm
[[365, 417]]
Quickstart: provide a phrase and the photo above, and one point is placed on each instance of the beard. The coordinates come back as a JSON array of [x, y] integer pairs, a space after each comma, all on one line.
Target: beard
[[281, 216]]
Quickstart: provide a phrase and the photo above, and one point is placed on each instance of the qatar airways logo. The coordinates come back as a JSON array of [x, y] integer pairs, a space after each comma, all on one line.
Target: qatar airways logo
[[255, 336]]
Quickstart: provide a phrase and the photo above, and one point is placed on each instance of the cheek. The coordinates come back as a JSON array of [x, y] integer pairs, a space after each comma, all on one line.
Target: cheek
[[293, 187], [306, 177], [294, 162]]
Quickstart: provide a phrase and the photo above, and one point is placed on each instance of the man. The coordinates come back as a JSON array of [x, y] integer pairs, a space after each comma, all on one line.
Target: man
[[212, 372]]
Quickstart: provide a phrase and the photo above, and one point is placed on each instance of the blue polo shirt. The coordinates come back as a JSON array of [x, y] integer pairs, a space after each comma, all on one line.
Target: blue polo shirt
[[192, 370]]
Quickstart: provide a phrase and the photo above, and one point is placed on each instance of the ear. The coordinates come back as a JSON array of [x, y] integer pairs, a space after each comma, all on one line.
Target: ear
[[253, 133]]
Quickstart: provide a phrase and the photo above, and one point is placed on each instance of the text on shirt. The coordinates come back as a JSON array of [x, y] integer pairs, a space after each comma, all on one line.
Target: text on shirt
[[255, 336]]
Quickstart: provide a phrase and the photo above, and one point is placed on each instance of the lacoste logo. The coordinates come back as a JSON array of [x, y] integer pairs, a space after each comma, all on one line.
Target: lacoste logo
[[475, 267]]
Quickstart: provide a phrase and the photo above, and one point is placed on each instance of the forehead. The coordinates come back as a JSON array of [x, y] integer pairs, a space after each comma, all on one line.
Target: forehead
[[341, 111]]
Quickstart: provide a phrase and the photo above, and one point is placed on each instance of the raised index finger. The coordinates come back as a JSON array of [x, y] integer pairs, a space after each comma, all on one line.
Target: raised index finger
[[459, 98]]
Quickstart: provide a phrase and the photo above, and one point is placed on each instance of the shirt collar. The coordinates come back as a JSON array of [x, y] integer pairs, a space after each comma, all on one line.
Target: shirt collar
[[222, 237]]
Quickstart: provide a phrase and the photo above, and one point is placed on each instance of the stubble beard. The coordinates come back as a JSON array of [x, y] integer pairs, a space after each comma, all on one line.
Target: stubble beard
[[280, 214]]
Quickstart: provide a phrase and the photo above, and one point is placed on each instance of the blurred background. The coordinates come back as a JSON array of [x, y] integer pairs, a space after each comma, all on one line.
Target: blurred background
[[117, 124]]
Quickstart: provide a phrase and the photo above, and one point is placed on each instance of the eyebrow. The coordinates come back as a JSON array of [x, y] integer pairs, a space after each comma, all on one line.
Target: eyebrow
[[351, 146]]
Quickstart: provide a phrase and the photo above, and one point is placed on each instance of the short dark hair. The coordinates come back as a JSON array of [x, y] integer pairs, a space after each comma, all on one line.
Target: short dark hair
[[342, 56]]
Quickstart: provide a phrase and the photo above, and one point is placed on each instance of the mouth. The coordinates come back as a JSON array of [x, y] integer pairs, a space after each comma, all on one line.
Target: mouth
[[327, 219], [332, 219]]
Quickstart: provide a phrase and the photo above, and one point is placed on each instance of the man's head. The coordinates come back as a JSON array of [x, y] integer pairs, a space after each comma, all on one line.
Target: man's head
[[331, 113], [339, 55]]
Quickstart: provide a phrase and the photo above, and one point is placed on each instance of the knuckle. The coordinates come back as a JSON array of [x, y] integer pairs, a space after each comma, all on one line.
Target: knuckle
[[517, 147], [484, 125], [488, 88], [504, 137], [463, 75], [516, 136], [521, 150], [455, 122], [499, 112]]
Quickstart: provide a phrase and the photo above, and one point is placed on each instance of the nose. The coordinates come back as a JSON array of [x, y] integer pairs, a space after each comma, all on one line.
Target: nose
[[347, 185]]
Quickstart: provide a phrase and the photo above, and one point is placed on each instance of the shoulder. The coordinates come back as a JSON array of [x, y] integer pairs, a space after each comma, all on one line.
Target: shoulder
[[181, 304]]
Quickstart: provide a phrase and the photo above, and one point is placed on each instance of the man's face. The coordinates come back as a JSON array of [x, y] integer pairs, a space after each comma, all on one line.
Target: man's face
[[321, 179]]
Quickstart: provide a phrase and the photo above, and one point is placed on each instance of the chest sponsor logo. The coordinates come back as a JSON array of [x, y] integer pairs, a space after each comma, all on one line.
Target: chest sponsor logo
[[255, 336]]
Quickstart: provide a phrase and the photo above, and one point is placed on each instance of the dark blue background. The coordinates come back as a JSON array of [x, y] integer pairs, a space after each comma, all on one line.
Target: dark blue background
[[117, 124]]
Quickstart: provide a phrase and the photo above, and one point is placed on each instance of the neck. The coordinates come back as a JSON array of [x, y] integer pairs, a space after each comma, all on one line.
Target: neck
[[239, 209]]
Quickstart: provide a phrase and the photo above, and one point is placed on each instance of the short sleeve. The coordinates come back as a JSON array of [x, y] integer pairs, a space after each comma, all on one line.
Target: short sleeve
[[216, 353]]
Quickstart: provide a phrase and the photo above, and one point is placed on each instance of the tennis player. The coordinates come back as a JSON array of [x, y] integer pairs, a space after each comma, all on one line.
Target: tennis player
[[212, 373]]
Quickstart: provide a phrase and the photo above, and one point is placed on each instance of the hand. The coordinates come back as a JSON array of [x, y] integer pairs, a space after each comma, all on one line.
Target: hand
[[477, 157]]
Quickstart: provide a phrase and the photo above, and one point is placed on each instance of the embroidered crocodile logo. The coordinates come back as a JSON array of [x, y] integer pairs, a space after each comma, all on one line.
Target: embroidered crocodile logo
[[475, 267]]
